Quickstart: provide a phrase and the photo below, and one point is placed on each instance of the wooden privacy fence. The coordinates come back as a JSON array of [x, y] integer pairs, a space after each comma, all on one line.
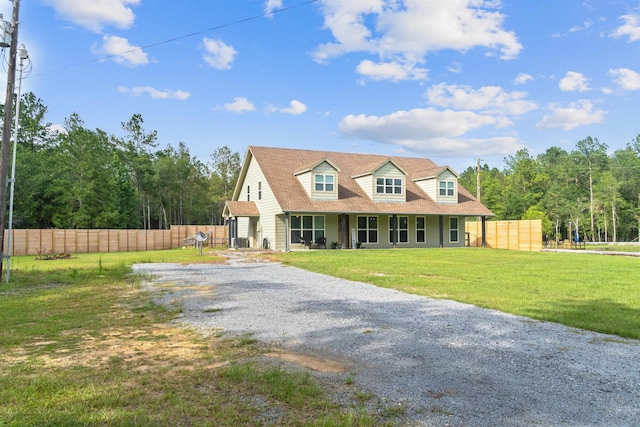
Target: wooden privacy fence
[[525, 235], [38, 242]]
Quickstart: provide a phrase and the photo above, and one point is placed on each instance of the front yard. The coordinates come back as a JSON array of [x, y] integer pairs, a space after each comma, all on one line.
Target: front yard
[[595, 292]]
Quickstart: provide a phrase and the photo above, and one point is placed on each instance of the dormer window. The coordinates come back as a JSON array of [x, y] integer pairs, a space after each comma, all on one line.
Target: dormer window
[[447, 188], [324, 182], [389, 185]]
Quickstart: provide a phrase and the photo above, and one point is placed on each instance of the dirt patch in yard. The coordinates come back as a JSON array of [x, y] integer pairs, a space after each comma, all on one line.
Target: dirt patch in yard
[[319, 364]]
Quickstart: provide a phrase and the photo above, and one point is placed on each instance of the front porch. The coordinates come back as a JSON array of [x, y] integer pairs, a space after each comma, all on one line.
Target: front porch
[[304, 231]]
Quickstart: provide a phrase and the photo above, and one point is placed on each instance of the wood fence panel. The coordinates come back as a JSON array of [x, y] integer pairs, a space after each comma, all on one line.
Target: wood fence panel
[[35, 242], [19, 242], [523, 235], [132, 240]]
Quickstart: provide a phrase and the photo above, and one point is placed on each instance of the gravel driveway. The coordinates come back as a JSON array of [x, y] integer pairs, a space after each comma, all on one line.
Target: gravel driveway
[[439, 362]]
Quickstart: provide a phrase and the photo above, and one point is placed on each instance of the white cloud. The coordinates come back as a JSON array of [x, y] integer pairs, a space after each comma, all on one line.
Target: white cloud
[[455, 67], [393, 71], [239, 105], [56, 128], [580, 113], [218, 54], [272, 5], [406, 32], [487, 99], [119, 49], [587, 24], [295, 108], [523, 78], [630, 28], [428, 130], [94, 15], [155, 93], [625, 78], [574, 82]]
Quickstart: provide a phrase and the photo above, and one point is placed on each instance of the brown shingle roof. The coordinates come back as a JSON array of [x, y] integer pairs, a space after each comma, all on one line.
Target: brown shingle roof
[[242, 209], [280, 164]]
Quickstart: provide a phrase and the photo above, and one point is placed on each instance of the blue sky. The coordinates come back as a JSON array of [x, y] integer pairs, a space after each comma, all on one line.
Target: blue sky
[[451, 80]]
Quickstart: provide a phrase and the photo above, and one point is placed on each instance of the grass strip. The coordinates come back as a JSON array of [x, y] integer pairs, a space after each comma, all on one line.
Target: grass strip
[[594, 292], [81, 344]]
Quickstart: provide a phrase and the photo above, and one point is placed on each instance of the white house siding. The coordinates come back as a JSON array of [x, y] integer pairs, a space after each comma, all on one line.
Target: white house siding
[[389, 171], [429, 186], [280, 233], [446, 175], [366, 183], [267, 206], [324, 168], [305, 180]]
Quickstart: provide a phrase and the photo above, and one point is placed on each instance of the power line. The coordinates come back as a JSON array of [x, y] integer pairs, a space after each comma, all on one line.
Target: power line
[[185, 36]]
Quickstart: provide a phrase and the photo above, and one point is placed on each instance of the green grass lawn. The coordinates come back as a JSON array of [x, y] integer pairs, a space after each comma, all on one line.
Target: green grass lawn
[[81, 344], [595, 292]]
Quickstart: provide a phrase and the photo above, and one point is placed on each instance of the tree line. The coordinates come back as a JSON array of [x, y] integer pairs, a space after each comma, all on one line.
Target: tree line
[[586, 189], [83, 178]]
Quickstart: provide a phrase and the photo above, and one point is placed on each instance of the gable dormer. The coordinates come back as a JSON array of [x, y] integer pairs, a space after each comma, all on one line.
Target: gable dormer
[[385, 182], [441, 187], [320, 180]]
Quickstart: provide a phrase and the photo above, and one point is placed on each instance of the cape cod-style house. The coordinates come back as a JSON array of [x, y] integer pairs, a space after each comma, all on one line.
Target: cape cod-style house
[[290, 199]]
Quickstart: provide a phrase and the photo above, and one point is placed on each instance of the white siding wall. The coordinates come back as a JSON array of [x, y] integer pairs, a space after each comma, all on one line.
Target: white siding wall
[[267, 206], [324, 168], [389, 171], [306, 181], [446, 175], [429, 186], [366, 182]]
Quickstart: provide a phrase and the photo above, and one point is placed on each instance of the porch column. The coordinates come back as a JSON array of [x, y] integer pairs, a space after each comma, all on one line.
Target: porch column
[[286, 232], [484, 232], [441, 223], [343, 231], [394, 230], [235, 233], [229, 231]]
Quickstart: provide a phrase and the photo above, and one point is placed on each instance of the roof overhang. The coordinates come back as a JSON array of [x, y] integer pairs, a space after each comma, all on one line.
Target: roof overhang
[[240, 209]]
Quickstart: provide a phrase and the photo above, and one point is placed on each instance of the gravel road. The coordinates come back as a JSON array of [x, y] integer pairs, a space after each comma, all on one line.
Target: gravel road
[[438, 362]]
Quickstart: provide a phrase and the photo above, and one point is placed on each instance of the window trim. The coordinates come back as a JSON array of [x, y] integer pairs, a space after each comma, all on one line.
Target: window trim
[[314, 231], [324, 182], [399, 230], [423, 229], [443, 186], [367, 229], [394, 187], [456, 230]]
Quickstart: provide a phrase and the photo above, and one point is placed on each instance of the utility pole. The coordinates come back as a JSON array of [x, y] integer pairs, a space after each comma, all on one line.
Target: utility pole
[[6, 129], [478, 180]]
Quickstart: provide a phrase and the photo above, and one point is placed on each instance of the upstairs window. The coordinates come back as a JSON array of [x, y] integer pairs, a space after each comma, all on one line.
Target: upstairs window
[[447, 188], [389, 185], [248, 193], [259, 190], [324, 182]]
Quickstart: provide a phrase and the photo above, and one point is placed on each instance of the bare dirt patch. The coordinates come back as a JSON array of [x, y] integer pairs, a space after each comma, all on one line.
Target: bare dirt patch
[[320, 364], [160, 347]]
